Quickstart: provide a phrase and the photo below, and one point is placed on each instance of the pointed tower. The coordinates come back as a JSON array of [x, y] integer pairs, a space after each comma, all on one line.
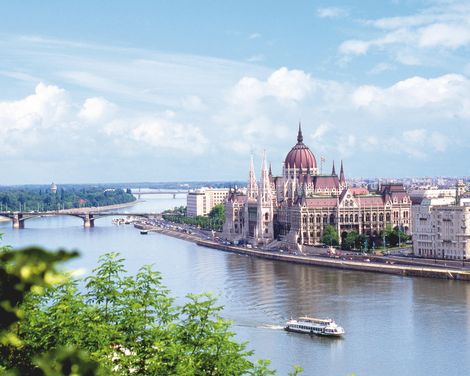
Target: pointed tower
[[294, 184], [252, 188], [270, 170], [300, 137], [265, 229], [342, 180], [333, 171]]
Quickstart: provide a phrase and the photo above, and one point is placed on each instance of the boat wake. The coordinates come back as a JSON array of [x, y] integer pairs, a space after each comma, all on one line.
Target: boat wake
[[272, 327]]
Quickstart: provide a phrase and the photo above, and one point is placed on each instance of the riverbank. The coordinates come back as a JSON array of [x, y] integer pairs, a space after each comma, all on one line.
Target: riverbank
[[96, 209], [403, 270]]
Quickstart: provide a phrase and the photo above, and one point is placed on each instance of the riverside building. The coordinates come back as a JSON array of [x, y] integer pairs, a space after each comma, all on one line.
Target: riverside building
[[294, 208], [201, 201], [441, 226]]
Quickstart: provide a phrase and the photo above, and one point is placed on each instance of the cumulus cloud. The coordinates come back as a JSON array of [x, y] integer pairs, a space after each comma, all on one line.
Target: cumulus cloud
[[96, 109], [447, 94], [161, 132], [283, 84], [45, 108]]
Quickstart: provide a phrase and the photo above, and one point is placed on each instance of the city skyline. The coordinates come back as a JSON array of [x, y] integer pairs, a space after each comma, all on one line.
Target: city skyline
[[97, 93]]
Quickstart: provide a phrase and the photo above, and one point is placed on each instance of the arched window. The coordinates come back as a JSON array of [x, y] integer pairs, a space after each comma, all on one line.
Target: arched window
[[387, 217], [381, 217], [351, 218], [356, 218], [341, 218], [325, 218], [318, 218], [332, 218], [374, 217], [266, 216], [367, 217]]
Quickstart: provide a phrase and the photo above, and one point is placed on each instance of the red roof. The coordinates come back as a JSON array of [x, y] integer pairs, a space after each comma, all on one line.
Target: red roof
[[326, 182], [370, 200], [359, 191], [321, 202]]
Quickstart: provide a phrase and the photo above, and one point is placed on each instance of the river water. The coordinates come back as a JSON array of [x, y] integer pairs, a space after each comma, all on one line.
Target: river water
[[394, 325]]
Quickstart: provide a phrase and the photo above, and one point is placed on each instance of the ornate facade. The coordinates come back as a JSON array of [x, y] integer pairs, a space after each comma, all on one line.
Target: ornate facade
[[296, 207]]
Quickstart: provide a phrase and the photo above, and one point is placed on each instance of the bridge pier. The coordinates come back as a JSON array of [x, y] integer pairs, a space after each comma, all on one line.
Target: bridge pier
[[88, 221], [18, 221]]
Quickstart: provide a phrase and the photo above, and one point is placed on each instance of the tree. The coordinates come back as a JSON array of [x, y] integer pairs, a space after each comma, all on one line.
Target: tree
[[116, 324], [217, 212], [351, 240], [330, 236]]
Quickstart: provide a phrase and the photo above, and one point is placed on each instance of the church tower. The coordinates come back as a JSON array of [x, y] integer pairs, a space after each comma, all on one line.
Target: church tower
[[265, 230]]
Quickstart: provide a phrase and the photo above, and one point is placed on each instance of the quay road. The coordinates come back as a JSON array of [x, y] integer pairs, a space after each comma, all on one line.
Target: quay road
[[369, 263]]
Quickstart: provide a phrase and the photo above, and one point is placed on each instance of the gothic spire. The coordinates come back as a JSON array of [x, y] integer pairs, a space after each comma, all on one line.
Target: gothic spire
[[270, 170], [252, 189], [342, 180], [265, 184], [333, 171], [300, 137]]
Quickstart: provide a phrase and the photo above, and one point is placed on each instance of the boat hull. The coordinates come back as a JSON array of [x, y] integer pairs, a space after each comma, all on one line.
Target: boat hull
[[313, 332]]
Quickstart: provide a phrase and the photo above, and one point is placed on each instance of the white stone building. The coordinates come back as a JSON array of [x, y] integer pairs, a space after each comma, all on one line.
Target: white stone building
[[441, 227], [201, 201]]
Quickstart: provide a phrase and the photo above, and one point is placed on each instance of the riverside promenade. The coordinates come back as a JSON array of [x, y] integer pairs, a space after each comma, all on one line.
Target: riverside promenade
[[402, 270]]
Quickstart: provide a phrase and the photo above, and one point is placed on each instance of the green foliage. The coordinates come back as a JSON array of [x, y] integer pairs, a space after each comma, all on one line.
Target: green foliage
[[214, 221], [394, 236], [330, 236], [42, 200], [114, 323], [218, 212]]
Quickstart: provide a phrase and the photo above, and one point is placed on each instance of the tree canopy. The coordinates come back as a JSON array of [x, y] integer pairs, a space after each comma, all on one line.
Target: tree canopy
[[28, 199], [330, 236], [110, 322]]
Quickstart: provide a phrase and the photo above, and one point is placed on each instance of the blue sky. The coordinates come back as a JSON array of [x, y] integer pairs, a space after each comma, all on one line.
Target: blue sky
[[183, 90]]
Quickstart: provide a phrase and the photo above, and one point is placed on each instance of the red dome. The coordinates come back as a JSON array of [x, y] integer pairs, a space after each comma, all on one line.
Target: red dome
[[300, 155]]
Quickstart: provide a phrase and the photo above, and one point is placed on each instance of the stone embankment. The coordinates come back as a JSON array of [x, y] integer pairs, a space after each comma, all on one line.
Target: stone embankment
[[403, 270]]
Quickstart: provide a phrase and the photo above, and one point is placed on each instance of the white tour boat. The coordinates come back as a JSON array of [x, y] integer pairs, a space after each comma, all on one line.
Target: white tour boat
[[310, 325]]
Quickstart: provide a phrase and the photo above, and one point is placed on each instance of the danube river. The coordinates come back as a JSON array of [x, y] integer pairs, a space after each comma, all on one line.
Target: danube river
[[394, 325]]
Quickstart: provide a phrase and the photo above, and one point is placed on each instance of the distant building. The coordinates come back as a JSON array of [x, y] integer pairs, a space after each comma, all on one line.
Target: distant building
[[418, 195], [441, 226], [201, 201], [295, 208], [53, 188]]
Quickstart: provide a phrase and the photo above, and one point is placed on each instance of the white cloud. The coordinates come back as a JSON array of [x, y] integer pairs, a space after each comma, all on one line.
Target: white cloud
[[442, 26], [447, 94], [444, 35], [283, 84], [96, 109], [162, 132], [45, 108], [331, 12], [254, 36]]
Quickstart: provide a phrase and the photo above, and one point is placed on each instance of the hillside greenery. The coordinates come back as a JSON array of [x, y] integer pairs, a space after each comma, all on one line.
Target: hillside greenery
[[41, 199], [109, 323]]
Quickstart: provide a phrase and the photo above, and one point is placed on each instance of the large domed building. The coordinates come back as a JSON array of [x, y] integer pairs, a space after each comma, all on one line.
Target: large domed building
[[294, 209], [301, 157]]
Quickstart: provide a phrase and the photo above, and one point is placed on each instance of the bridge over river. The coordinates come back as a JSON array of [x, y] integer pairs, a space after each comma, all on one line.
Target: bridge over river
[[18, 218]]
